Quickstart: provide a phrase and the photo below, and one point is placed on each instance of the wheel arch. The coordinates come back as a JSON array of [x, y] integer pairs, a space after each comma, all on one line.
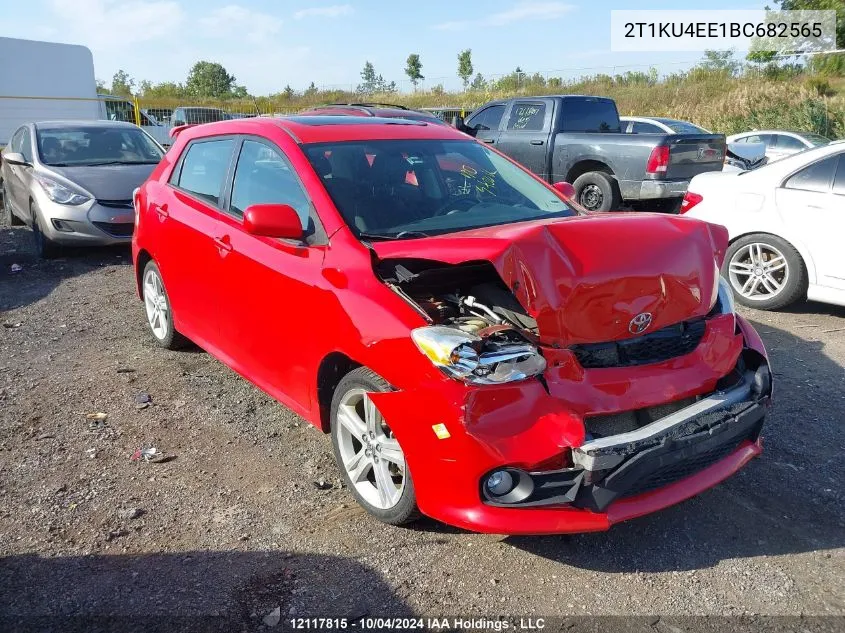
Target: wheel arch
[[585, 166], [798, 245], [333, 367], [141, 261]]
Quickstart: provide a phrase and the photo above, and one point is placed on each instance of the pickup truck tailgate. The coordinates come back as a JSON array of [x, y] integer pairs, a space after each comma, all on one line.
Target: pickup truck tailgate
[[693, 154]]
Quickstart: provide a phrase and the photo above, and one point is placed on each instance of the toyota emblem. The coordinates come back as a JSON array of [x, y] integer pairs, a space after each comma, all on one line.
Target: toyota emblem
[[640, 323]]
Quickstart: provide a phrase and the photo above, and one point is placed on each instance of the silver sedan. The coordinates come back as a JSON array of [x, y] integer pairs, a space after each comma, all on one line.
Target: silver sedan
[[72, 181]]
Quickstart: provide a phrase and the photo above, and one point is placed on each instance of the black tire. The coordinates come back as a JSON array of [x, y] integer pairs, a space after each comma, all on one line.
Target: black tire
[[170, 338], [405, 510], [7, 217], [597, 191], [794, 281], [45, 248]]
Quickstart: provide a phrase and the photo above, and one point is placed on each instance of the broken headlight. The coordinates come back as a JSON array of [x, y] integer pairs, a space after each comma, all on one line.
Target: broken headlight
[[500, 358]]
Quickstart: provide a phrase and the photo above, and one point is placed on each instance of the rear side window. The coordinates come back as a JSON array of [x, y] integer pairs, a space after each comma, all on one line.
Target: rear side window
[[789, 143], [645, 128], [527, 116], [590, 115], [767, 139], [816, 177], [204, 168], [488, 119], [839, 179], [264, 176]]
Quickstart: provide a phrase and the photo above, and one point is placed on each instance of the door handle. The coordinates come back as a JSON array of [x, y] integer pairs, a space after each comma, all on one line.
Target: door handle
[[223, 244], [489, 140], [536, 142], [161, 210]]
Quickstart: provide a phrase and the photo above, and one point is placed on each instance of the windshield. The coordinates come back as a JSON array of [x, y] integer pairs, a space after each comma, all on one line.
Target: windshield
[[75, 146], [415, 188], [682, 127], [816, 139]]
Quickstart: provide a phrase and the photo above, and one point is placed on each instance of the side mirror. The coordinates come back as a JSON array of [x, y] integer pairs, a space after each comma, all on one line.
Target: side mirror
[[458, 124], [565, 189], [14, 158], [273, 220]]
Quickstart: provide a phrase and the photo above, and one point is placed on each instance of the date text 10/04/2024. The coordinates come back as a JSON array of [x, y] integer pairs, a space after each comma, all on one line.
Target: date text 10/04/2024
[[369, 623]]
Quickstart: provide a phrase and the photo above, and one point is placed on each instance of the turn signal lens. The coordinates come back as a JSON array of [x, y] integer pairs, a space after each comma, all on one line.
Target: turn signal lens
[[690, 200]]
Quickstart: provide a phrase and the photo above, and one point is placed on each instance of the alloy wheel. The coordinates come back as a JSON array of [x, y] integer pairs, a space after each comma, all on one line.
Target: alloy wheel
[[591, 197], [758, 271], [369, 452], [155, 303]]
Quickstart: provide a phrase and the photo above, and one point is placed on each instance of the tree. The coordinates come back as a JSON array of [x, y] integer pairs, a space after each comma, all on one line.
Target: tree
[[165, 89], [830, 64], [373, 83], [413, 68], [719, 61], [478, 83], [288, 92], [122, 83], [101, 87], [210, 79], [310, 90], [465, 66]]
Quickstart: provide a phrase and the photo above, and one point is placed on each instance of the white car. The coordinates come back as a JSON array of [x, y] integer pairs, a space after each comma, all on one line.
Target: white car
[[741, 156], [781, 143], [786, 223]]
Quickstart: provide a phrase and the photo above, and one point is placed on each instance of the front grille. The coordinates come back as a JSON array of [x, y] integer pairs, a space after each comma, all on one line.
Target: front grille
[[116, 204], [116, 229], [664, 344], [675, 472]]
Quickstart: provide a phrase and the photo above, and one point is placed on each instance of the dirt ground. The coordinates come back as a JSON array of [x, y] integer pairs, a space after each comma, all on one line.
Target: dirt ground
[[246, 513]]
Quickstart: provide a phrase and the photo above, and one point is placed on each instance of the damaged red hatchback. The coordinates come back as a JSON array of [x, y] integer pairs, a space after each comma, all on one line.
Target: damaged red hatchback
[[479, 352]]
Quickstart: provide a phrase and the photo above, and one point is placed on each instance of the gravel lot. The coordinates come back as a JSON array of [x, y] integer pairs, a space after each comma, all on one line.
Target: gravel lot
[[246, 512]]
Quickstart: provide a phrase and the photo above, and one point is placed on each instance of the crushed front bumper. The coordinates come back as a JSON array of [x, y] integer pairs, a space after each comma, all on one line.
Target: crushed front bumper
[[663, 452]]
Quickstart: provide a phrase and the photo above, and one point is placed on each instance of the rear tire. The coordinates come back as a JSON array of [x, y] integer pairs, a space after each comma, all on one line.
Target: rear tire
[[157, 309], [765, 272], [366, 451], [597, 191], [45, 248]]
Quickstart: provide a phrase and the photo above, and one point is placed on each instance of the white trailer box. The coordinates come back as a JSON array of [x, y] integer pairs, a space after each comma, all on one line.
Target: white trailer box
[[44, 81]]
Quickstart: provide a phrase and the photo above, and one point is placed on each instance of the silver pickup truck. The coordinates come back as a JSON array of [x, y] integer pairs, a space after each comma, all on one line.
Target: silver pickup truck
[[578, 139]]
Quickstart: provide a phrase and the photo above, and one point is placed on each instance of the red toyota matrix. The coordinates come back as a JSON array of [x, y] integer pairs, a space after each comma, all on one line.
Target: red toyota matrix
[[480, 352]]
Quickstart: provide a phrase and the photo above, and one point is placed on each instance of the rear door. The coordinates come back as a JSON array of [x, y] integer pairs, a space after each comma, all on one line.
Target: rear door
[[12, 173], [525, 134], [812, 203], [693, 154], [485, 122], [187, 212]]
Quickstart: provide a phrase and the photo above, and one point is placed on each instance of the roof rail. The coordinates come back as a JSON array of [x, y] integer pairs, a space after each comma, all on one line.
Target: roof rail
[[371, 104]]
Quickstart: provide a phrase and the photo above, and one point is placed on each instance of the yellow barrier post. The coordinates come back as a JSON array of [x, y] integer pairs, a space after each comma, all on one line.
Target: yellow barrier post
[[137, 111]]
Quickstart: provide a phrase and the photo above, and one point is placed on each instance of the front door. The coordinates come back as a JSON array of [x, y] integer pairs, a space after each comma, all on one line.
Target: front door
[[525, 136], [268, 286]]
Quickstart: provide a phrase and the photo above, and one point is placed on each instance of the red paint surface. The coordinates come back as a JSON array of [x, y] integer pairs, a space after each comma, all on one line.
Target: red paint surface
[[274, 310]]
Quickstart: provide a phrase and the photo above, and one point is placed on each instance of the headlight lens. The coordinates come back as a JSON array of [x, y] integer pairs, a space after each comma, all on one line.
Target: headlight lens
[[59, 193], [475, 360]]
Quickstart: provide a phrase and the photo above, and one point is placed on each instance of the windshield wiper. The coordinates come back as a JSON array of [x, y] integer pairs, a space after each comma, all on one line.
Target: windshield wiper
[[123, 162], [401, 235]]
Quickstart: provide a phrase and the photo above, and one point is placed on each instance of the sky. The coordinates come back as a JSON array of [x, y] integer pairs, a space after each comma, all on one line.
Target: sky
[[268, 44]]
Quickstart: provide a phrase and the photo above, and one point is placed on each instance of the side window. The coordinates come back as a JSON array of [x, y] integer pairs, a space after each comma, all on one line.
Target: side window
[[768, 139], [839, 179], [590, 114], [264, 176], [645, 128], [178, 117], [816, 177], [789, 143], [26, 145], [15, 143], [204, 168], [527, 116], [489, 118]]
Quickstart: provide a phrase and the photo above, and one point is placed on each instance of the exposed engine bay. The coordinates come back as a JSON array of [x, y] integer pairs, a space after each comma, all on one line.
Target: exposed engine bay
[[471, 297], [480, 332]]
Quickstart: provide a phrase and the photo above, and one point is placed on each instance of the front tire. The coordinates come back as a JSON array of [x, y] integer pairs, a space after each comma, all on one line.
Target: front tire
[[157, 309], [765, 272], [597, 191], [368, 454], [45, 248]]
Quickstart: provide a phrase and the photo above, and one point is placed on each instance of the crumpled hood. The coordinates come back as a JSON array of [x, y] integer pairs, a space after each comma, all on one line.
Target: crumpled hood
[[106, 182], [585, 278]]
